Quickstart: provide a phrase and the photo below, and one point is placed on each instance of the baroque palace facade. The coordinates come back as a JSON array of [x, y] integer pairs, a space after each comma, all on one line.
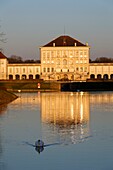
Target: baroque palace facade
[[64, 58]]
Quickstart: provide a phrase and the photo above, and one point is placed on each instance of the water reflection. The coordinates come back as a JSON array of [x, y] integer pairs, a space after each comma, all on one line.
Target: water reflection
[[102, 97], [26, 100], [3, 107], [62, 118], [65, 117], [2, 112]]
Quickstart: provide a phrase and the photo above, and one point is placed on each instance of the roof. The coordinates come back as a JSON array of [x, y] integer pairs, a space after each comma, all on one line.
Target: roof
[[64, 41], [2, 56]]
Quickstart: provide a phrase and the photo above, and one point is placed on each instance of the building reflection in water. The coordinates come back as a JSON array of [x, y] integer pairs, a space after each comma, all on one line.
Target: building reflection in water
[[26, 100], [65, 117]]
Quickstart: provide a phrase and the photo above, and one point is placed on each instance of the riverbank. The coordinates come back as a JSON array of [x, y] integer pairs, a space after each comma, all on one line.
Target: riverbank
[[88, 86], [6, 97], [52, 86], [30, 85]]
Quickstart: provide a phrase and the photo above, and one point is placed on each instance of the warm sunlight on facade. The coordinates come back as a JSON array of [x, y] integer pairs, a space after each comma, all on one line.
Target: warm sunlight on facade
[[65, 58]]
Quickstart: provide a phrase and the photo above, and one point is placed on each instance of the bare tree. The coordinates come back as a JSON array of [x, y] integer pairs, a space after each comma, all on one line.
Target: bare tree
[[2, 39]]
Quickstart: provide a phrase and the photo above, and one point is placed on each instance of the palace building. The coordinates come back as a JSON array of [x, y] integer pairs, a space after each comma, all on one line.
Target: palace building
[[18, 71], [63, 58]]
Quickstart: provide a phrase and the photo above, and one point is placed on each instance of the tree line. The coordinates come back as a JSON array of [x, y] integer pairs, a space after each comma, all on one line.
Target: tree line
[[17, 59], [102, 60]]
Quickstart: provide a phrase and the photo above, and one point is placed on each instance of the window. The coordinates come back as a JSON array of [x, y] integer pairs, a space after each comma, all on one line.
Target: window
[[44, 57], [71, 62], [85, 69], [44, 69], [16, 70], [2, 70], [58, 53], [52, 69], [43, 54], [10, 70], [37, 70], [52, 53], [48, 54], [58, 62], [77, 53], [30, 70], [81, 69], [64, 62], [81, 54], [23, 70], [85, 61], [77, 69], [48, 69], [85, 54]]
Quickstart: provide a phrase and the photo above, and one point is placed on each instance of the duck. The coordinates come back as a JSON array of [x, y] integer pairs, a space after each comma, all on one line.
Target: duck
[[39, 144]]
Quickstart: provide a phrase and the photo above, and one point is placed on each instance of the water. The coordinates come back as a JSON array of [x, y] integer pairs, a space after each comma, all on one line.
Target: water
[[78, 125]]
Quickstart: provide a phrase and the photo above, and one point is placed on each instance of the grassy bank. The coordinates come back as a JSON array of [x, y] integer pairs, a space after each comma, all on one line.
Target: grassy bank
[[6, 97], [29, 85]]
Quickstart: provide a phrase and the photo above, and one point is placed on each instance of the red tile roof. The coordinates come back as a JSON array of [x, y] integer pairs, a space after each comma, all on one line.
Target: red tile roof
[[2, 56], [64, 41]]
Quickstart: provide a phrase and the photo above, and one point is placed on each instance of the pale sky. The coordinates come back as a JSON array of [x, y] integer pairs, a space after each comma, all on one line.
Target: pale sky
[[29, 24]]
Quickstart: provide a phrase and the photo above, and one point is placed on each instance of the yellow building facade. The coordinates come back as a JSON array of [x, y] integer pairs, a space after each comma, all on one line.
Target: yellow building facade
[[65, 58], [3, 67], [101, 70], [23, 71]]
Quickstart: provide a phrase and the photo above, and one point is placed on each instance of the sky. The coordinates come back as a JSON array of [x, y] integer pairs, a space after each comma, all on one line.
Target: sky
[[30, 24]]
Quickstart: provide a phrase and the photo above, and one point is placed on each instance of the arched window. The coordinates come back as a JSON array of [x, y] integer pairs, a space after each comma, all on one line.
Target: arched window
[[17, 77], [99, 76], [10, 77], [92, 76], [23, 76], [65, 77], [111, 76], [105, 76], [64, 62], [37, 76], [72, 77], [30, 76]]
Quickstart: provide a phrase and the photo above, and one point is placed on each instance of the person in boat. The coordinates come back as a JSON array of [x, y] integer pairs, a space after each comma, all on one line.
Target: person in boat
[[39, 144]]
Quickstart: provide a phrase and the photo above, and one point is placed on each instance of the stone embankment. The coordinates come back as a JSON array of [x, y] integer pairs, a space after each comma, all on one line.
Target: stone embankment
[[6, 97]]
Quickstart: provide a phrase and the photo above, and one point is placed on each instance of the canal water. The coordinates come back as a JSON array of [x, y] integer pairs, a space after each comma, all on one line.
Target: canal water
[[77, 129]]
